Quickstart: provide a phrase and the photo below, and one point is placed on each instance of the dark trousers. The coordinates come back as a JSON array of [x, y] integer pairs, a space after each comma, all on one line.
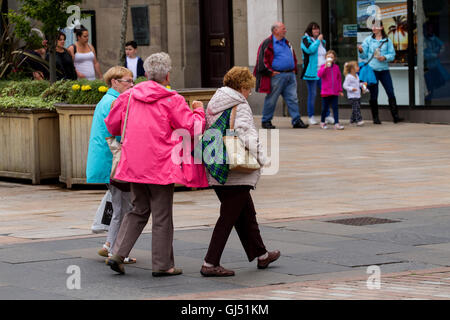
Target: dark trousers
[[386, 80], [236, 210], [326, 101]]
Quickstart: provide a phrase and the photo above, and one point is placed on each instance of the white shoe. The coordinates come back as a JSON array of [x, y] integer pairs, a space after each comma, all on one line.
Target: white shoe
[[312, 121], [337, 126], [329, 120], [360, 124]]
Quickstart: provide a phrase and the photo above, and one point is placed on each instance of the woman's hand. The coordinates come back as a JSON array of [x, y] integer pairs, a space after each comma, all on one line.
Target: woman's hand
[[320, 37], [381, 58], [360, 49], [341, 94]]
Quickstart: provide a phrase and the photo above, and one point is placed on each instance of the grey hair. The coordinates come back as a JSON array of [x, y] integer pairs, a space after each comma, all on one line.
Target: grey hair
[[274, 26], [157, 66]]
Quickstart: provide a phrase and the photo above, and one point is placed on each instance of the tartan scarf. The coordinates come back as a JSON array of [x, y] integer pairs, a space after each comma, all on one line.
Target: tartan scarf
[[210, 144]]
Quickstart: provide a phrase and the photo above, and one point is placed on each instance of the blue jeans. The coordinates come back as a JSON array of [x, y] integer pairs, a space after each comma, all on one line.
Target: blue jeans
[[386, 80], [312, 85], [326, 101], [284, 84]]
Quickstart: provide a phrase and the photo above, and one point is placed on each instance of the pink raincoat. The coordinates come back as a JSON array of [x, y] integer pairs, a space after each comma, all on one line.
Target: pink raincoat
[[148, 148]]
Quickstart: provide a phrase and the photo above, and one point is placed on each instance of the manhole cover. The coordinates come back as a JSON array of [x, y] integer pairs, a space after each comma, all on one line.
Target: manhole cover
[[365, 221]]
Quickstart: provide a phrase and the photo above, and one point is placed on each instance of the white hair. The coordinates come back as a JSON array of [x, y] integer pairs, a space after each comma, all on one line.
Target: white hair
[[157, 66], [275, 26]]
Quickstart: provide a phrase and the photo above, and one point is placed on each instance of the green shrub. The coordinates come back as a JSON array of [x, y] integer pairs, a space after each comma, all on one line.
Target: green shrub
[[27, 88], [26, 103]]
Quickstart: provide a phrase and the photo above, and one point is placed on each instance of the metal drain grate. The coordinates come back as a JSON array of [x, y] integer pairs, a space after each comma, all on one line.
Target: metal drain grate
[[365, 221]]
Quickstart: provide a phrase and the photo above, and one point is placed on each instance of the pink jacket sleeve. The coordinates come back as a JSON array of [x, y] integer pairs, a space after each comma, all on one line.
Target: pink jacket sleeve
[[321, 71], [114, 119], [182, 117]]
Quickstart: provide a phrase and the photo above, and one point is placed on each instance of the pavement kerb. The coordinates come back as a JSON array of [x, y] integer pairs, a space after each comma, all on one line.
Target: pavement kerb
[[7, 240]]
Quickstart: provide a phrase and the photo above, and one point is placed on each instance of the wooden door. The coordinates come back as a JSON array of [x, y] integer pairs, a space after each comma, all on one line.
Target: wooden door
[[217, 37]]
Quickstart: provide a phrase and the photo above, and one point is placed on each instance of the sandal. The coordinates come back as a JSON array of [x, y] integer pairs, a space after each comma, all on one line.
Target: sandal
[[160, 273], [129, 260], [104, 252]]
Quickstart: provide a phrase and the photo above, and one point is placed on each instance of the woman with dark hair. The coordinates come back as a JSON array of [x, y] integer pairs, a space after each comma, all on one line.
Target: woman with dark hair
[[379, 50], [65, 69], [314, 51], [84, 57]]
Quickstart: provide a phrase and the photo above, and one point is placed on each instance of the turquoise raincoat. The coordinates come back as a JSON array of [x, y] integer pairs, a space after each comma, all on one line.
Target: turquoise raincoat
[[99, 160]]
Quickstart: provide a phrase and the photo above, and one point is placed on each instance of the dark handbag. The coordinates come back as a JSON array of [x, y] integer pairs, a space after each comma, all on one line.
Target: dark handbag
[[107, 213]]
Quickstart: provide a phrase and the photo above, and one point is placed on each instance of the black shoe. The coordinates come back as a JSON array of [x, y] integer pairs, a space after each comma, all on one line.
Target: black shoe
[[394, 111], [374, 109], [300, 125], [268, 125]]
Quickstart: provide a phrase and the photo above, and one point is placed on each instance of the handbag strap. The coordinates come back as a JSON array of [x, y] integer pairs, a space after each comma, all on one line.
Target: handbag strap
[[126, 119], [373, 55], [233, 117]]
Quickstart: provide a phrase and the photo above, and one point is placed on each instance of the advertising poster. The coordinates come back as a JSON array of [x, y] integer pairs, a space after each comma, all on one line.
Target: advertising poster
[[394, 16]]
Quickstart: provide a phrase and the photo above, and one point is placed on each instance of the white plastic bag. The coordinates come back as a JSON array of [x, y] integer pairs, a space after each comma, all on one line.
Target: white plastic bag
[[98, 226]]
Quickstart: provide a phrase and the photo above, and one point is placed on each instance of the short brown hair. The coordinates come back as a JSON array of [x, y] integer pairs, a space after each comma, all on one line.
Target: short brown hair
[[116, 72], [239, 78]]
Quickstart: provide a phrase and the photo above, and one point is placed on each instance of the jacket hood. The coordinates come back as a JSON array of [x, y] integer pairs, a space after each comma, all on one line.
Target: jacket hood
[[151, 91], [223, 99]]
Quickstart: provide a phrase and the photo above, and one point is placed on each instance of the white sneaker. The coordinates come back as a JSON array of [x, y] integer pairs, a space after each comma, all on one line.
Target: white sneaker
[[360, 124], [337, 126], [323, 126], [312, 121], [329, 120]]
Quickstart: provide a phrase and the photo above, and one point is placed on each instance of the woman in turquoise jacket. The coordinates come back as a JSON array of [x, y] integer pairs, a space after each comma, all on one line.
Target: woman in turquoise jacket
[[379, 49], [314, 50], [99, 160]]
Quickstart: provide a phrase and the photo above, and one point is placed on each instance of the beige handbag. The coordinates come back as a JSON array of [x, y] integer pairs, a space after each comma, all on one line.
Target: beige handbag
[[116, 146], [238, 157]]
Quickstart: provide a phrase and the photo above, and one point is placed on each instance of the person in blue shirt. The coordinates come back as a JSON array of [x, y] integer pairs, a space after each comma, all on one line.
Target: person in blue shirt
[[99, 159], [379, 49], [275, 72]]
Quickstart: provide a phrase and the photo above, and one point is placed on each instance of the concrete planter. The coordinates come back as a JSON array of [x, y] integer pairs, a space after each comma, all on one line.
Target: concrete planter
[[75, 126], [29, 144]]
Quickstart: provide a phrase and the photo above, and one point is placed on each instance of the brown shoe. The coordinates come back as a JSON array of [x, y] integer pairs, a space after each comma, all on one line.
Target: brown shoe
[[272, 256], [116, 264], [218, 271]]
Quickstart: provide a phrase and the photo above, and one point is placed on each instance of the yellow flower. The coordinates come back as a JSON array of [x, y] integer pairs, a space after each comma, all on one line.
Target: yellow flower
[[86, 88], [103, 89], [76, 87], [169, 87]]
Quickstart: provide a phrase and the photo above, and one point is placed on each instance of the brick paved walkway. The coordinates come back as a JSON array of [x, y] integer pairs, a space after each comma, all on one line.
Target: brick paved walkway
[[413, 285]]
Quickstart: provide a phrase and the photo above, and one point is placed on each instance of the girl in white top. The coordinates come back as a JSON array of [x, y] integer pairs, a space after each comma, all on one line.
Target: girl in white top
[[84, 57], [353, 87]]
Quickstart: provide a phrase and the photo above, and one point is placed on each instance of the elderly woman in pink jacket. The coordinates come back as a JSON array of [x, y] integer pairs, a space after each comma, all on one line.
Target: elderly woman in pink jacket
[[147, 161]]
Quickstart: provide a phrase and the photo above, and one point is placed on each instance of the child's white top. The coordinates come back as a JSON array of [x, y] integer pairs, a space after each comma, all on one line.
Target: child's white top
[[352, 82]]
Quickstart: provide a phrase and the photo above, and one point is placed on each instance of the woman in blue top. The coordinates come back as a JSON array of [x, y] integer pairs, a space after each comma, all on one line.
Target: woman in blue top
[[379, 49], [99, 160], [314, 51]]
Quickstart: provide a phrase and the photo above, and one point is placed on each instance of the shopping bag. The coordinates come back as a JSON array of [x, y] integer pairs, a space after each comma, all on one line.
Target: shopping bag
[[103, 215]]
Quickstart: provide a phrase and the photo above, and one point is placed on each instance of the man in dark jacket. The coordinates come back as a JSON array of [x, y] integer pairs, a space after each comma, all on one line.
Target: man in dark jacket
[[275, 71]]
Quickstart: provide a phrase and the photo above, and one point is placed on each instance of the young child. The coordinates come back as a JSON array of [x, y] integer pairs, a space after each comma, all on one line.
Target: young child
[[133, 62], [331, 89], [353, 87]]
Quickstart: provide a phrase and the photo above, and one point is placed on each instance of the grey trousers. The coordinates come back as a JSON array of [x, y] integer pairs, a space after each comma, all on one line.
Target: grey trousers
[[121, 203], [156, 200]]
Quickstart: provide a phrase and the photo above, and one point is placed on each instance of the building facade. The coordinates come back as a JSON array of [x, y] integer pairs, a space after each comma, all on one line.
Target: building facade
[[207, 37]]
